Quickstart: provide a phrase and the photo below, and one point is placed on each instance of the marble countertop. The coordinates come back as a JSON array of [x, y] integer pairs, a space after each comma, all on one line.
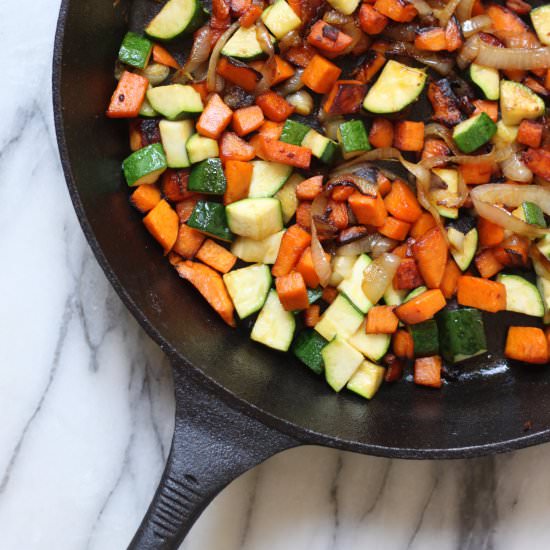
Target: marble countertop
[[87, 406]]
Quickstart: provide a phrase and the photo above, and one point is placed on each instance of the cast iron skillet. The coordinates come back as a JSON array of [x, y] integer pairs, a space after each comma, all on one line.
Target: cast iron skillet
[[237, 402]]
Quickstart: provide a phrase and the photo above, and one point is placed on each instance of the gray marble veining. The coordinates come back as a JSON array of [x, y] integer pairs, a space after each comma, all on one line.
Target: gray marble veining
[[87, 406]]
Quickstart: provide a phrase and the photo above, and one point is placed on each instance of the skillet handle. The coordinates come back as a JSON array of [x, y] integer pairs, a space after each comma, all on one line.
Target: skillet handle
[[212, 445]]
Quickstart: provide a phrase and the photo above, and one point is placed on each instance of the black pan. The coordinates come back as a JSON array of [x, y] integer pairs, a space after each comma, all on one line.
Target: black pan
[[237, 402]]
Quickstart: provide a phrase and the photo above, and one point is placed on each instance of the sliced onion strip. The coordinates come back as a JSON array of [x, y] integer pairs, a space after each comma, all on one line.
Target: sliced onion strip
[[211, 79], [321, 265], [525, 59]]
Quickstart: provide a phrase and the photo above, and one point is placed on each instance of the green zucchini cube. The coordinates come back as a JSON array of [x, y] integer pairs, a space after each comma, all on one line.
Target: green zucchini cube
[[461, 334], [209, 218], [533, 214], [208, 177], [474, 132], [145, 165], [425, 337], [353, 137], [307, 347], [294, 132], [135, 50]]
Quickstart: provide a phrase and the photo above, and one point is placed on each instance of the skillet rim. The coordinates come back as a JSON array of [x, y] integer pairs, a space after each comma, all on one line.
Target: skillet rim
[[302, 435]]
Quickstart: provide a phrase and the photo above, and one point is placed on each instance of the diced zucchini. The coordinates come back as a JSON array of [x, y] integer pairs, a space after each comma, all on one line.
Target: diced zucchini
[[505, 134], [248, 288], [174, 136], [294, 132], [543, 285], [244, 45], [314, 294], [340, 318], [207, 177], [175, 101], [263, 252], [521, 295], [352, 286], [540, 18], [353, 138], [144, 165], [518, 102], [425, 337], [280, 19], [308, 347], [397, 86], [531, 213], [201, 148], [135, 50], [341, 268], [463, 256], [347, 7], [274, 326], [367, 379], [146, 110], [487, 79], [341, 361], [414, 293], [393, 297], [474, 132], [209, 218], [267, 178], [176, 17], [461, 334], [544, 246], [287, 196], [255, 218], [450, 178], [321, 146], [372, 346]]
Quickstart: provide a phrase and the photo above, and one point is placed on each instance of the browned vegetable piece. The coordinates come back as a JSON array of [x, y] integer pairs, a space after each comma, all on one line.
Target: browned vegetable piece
[[444, 103]]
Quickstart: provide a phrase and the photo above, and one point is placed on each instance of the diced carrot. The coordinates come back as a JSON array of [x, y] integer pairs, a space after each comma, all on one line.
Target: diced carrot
[[381, 133], [238, 73], [247, 119], [538, 161], [371, 66], [303, 215], [513, 251], [295, 240], [342, 193], [282, 152], [530, 133], [345, 97], [402, 203], [320, 74], [507, 24], [430, 253], [488, 107], [328, 38], [338, 216], [403, 344], [145, 197], [135, 135], [368, 210], [128, 96], [453, 35], [516, 75], [274, 106], [407, 276], [271, 130], [422, 225], [215, 118], [394, 229], [487, 263], [431, 39], [435, 148], [296, 6], [300, 55], [232, 147], [202, 89], [308, 189], [381, 320], [394, 370], [216, 256], [173, 185], [481, 293], [478, 8], [535, 85], [283, 70], [383, 184], [398, 10], [292, 291], [547, 80], [449, 282], [402, 250], [478, 172], [250, 16], [371, 21], [445, 103], [185, 208], [427, 371], [490, 234], [306, 268], [162, 55], [188, 242], [329, 294], [312, 315], [238, 175], [527, 344], [210, 284], [421, 307], [409, 135], [163, 223]]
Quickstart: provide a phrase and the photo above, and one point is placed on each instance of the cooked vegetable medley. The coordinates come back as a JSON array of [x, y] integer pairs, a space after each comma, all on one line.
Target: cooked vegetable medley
[[357, 181]]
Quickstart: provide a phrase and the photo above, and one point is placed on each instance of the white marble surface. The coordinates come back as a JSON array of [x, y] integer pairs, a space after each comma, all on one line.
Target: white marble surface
[[86, 398]]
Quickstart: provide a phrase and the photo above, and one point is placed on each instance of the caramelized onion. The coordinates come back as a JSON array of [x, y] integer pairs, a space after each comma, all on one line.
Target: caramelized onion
[[293, 84], [374, 244], [352, 180], [321, 265], [199, 55], [514, 169], [476, 24], [513, 58], [422, 7], [447, 12], [464, 9], [438, 62], [496, 155], [434, 129], [211, 80], [378, 275], [468, 52]]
